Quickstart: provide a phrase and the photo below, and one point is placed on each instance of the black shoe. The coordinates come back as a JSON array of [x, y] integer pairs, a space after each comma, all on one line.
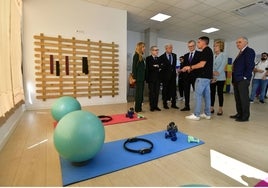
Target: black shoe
[[151, 109], [261, 101], [220, 113], [174, 106], [185, 109], [157, 109], [166, 107], [235, 116], [241, 119]]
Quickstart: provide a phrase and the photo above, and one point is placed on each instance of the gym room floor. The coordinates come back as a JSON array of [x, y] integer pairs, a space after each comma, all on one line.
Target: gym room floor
[[30, 159]]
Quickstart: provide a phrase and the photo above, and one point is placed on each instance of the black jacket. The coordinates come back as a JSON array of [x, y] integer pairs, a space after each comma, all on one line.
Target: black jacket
[[152, 69], [167, 70], [195, 60]]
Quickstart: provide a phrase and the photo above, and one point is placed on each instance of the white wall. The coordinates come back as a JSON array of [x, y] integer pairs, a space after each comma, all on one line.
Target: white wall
[[65, 17], [132, 39], [258, 43], [179, 48]]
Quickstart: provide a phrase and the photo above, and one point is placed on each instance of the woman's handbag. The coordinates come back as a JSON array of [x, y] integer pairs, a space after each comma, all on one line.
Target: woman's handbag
[[131, 80]]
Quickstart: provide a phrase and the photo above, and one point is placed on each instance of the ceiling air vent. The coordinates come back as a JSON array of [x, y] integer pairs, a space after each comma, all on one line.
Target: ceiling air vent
[[253, 8]]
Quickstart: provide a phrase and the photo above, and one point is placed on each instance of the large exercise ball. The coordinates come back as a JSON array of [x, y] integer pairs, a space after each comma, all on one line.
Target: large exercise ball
[[63, 106], [79, 136]]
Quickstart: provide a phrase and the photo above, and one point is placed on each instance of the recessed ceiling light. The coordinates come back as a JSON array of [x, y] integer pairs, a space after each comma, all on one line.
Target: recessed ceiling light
[[160, 17], [210, 30]]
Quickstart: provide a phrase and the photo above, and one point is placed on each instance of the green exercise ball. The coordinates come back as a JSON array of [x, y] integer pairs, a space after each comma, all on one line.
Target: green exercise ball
[[63, 106], [79, 136]]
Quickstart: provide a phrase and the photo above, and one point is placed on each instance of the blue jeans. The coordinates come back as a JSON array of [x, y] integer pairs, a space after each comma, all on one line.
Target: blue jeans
[[258, 83], [202, 90]]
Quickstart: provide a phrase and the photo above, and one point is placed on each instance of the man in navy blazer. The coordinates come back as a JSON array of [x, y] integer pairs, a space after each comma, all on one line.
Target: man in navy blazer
[[168, 75], [242, 69], [191, 58]]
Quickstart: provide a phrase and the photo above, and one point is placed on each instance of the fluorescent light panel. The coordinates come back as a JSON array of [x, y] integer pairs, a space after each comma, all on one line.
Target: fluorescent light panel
[[210, 30], [160, 17]]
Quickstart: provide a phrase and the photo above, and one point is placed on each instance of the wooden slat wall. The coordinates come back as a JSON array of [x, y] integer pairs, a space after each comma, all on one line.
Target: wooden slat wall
[[103, 68]]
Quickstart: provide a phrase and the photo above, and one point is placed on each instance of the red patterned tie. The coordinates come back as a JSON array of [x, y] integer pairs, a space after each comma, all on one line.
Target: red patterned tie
[[240, 52]]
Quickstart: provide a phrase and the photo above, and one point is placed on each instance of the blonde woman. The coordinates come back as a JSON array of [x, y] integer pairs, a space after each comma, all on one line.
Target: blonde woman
[[138, 71], [218, 81]]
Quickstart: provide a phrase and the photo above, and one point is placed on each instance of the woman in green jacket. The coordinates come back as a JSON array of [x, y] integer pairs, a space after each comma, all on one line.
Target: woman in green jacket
[[138, 71]]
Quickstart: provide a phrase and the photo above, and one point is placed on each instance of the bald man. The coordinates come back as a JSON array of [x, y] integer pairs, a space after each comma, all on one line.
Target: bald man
[[243, 66]]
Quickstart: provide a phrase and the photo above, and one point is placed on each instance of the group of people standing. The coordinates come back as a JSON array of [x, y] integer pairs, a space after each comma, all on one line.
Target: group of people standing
[[156, 70], [202, 69]]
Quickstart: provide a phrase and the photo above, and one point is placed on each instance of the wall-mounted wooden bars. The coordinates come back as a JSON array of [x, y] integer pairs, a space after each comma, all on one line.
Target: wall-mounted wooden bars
[[78, 68]]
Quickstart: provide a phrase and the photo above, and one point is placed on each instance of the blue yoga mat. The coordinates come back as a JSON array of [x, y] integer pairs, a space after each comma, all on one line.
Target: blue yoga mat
[[113, 156]]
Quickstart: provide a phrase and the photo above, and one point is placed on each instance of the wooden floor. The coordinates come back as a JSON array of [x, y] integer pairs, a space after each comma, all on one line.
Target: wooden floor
[[24, 162]]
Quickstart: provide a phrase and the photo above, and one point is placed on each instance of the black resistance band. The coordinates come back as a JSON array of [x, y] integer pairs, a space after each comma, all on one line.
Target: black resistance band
[[104, 118], [141, 151]]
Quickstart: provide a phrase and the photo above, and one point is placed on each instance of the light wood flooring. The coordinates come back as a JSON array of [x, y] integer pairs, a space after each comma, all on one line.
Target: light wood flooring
[[22, 163]]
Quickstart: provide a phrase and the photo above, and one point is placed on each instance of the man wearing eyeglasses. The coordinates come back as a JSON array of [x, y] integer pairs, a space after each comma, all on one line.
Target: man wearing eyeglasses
[[152, 78], [191, 58]]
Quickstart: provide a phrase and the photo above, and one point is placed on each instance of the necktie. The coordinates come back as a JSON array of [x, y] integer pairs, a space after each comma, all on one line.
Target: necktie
[[240, 52], [191, 57], [169, 58]]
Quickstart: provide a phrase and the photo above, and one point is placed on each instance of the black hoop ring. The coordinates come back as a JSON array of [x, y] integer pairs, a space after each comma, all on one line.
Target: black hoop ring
[[141, 151], [104, 118]]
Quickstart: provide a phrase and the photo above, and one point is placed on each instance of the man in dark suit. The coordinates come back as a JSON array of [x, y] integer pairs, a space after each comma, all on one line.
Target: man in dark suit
[[152, 78], [191, 58], [242, 69], [168, 75]]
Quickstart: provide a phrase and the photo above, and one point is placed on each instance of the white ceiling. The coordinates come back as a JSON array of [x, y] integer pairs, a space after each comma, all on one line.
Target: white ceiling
[[189, 17]]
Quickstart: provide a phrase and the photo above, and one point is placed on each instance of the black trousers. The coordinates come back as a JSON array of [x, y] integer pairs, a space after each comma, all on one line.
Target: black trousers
[[181, 87], [153, 93], [241, 94], [139, 96], [187, 88], [169, 91], [219, 85]]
